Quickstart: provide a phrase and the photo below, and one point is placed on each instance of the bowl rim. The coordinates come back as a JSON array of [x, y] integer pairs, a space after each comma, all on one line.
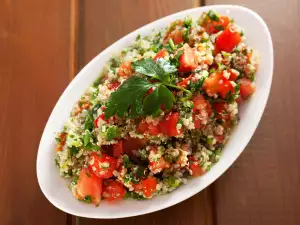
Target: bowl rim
[[133, 33]]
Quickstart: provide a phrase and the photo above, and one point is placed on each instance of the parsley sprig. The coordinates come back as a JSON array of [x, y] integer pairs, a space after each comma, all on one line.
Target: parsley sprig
[[131, 97]]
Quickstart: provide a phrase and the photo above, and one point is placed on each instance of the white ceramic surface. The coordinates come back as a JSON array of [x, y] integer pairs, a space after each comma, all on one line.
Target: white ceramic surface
[[55, 188]]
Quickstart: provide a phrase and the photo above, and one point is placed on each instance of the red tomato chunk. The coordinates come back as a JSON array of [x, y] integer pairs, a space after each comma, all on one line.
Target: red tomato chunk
[[103, 165]]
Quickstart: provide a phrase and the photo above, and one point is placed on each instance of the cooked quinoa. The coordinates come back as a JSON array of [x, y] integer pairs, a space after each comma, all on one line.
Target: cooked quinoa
[[160, 112]]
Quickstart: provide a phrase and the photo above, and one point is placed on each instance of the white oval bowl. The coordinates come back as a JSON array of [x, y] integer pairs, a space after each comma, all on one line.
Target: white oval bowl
[[55, 188]]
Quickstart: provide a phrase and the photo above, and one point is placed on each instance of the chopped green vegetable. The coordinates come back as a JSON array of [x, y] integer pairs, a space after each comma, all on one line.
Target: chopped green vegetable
[[89, 122], [86, 138], [171, 44], [126, 161], [73, 150], [187, 22], [134, 88], [112, 133], [92, 147], [219, 27], [172, 181], [87, 199], [213, 16], [160, 96]]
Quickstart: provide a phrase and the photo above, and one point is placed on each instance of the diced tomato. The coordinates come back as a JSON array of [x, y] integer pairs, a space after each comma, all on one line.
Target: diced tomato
[[213, 27], [118, 149], [187, 60], [158, 165], [113, 190], [103, 165], [196, 169], [142, 127], [114, 85], [148, 186], [225, 88], [148, 128], [197, 122], [102, 117], [169, 123], [220, 138], [239, 100], [217, 83], [130, 144], [178, 37], [153, 129], [185, 82], [89, 185], [220, 107], [125, 69], [161, 54], [247, 88], [227, 40], [233, 74], [199, 102]]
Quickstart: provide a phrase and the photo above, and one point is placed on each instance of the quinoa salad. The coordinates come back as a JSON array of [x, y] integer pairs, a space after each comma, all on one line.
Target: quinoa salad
[[160, 112]]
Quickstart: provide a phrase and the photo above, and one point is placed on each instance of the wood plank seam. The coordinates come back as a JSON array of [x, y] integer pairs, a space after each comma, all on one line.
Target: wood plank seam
[[73, 57], [73, 65]]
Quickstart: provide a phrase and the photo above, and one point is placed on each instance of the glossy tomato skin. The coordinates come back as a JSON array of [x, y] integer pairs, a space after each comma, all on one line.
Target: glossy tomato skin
[[118, 149], [96, 121], [103, 165], [197, 170], [220, 107], [247, 88], [218, 84], [178, 37], [90, 185], [233, 74], [114, 85], [185, 82], [125, 69], [161, 54], [195, 167], [148, 186], [227, 40], [169, 123], [130, 144], [187, 60], [113, 190], [213, 27]]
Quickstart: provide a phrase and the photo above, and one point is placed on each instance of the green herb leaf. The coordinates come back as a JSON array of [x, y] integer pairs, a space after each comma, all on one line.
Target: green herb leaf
[[148, 67], [129, 96], [171, 44], [73, 150], [219, 27], [126, 161], [89, 122], [112, 133], [160, 96], [88, 199], [86, 138], [213, 16], [187, 22], [92, 147], [166, 66]]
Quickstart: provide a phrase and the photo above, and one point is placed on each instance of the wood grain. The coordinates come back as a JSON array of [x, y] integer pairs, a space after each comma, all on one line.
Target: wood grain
[[262, 187], [98, 31], [34, 48]]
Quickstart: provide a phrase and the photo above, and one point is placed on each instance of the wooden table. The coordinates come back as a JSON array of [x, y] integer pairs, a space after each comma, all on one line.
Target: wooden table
[[43, 44]]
